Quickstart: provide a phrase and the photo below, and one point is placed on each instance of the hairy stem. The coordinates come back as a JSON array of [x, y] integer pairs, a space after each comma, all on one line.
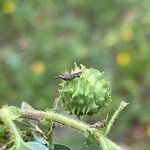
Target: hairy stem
[[7, 118], [105, 143], [39, 115], [15, 136], [115, 116]]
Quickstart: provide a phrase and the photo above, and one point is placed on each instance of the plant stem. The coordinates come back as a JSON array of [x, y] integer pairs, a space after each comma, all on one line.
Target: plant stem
[[115, 116], [39, 115], [12, 128], [105, 143]]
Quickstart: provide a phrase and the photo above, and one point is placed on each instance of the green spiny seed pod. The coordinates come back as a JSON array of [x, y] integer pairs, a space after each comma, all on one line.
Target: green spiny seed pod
[[84, 91]]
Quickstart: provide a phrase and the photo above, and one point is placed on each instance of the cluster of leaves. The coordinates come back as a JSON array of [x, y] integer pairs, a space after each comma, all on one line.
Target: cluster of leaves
[[27, 136], [34, 137]]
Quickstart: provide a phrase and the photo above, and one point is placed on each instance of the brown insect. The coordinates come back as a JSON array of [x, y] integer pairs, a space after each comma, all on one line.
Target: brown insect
[[69, 76]]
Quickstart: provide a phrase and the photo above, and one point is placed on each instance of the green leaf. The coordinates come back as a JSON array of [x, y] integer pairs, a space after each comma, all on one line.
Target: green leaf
[[11, 112], [39, 138], [39, 146], [90, 139], [36, 146], [30, 146], [59, 147], [26, 106]]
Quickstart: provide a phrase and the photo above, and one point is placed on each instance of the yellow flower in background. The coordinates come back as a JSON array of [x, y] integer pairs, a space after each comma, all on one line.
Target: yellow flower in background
[[38, 67], [127, 33], [123, 58], [9, 7], [148, 130]]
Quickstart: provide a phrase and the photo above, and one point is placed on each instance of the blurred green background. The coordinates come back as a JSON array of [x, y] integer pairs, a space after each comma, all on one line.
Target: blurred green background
[[41, 39]]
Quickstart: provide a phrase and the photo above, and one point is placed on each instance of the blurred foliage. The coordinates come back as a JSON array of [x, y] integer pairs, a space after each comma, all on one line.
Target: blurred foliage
[[41, 39]]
